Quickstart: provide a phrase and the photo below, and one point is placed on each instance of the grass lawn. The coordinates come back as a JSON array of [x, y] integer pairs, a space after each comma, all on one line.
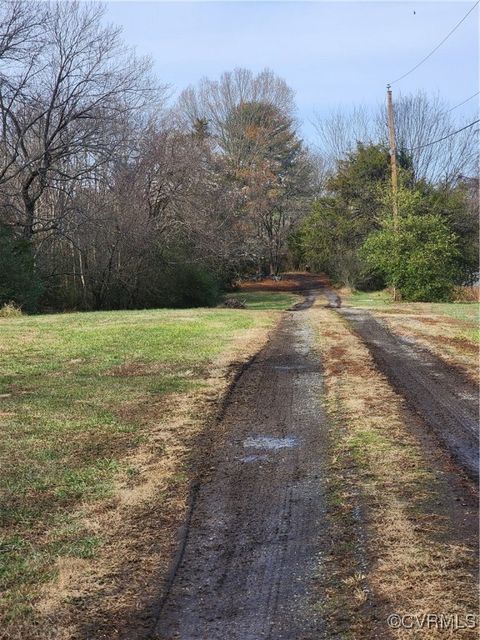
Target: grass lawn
[[80, 395], [266, 300], [464, 311], [450, 330], [368, 299]]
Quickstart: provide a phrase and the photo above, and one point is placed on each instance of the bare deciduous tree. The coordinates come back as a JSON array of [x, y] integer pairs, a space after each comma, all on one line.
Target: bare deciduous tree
[[419, 120], [20, 23], [214, 101], [63, 113], [340, 130]]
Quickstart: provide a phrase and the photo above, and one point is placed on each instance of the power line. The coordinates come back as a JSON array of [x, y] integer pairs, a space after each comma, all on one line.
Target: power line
[[438, 45], [464, 102], [444, 137]]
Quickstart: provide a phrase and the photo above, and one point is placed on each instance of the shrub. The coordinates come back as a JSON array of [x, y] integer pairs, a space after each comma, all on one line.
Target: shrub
[[18, 281], [170, 280], [466, 294], [10, 310], [419, 257], [192, 286]]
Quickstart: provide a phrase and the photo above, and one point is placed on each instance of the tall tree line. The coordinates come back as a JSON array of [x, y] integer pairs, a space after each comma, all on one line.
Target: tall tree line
[[351, 232], [112, 197]]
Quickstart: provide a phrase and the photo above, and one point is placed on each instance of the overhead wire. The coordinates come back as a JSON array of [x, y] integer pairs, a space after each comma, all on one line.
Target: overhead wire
[[438, 45], [428, 144], [464, 102]]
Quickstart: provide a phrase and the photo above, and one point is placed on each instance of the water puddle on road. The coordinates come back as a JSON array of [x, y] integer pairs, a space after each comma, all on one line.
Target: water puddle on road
[[290, 367], [270, 443], [255, 458]]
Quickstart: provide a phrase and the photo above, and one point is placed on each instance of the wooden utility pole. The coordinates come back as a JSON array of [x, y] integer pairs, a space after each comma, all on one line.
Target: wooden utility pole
[[393, 164], [393, 153]]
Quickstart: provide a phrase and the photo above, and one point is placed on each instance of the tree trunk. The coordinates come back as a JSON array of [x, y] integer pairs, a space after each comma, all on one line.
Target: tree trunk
[[29, 205]]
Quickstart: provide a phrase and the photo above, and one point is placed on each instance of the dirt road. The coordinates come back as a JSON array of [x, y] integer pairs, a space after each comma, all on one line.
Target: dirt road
[[440, 394], [257, 533], [251, 561]]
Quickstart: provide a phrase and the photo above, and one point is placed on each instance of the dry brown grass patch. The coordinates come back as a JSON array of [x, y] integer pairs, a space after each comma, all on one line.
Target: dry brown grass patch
[[387, 499], [441, 335], [132, 369]]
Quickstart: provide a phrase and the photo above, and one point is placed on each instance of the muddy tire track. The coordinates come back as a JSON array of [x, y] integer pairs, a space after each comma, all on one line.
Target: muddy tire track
[[258, 530], [445, 399]]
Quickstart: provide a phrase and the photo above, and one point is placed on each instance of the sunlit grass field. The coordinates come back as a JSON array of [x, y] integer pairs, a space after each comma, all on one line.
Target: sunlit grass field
[[265, 300], [467, 313]]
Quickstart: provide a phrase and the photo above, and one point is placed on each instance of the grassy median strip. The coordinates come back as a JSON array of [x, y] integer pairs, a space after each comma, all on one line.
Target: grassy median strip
[[382, 300], [392, 537], [98, 413], [449, 330]]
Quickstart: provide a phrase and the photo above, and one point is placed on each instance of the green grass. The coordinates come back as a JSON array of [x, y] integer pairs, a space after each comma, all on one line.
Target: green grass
[[266, 300], [363, 441], [63, 382], [472, 335], [369, 299], [464, 311]]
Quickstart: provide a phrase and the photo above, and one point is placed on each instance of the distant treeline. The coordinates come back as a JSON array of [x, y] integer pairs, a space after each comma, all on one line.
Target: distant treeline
[[112, 196], [430, 246]]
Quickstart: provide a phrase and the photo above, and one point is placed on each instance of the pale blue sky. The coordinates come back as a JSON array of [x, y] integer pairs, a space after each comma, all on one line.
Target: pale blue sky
[[331, 53]]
